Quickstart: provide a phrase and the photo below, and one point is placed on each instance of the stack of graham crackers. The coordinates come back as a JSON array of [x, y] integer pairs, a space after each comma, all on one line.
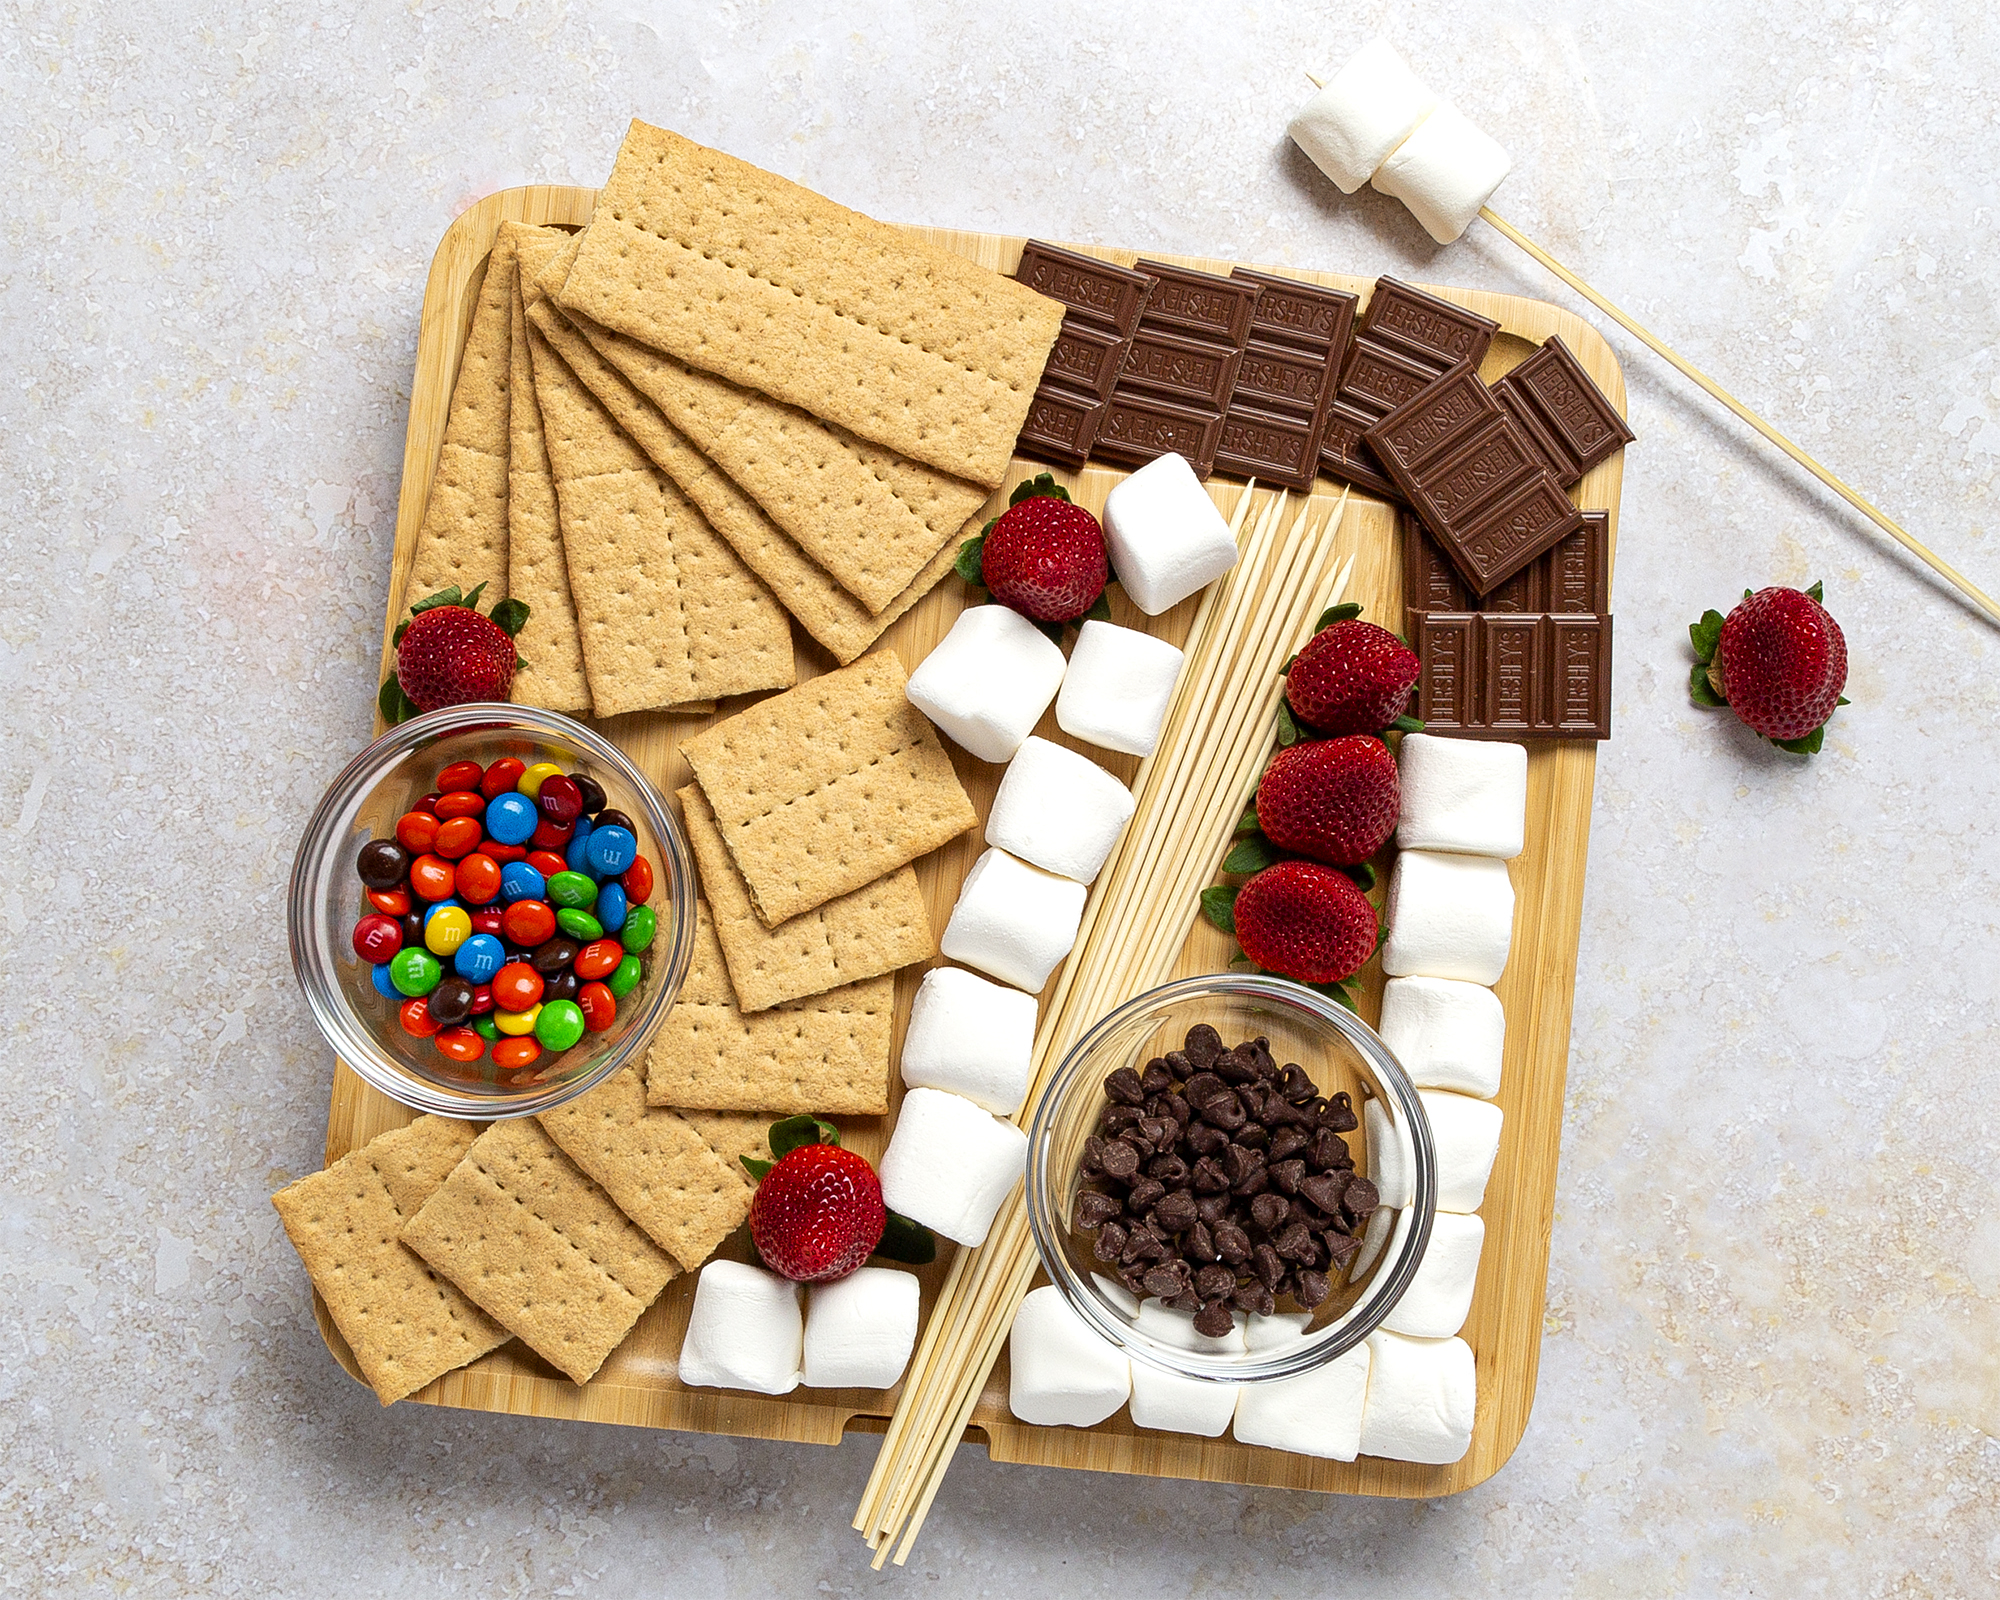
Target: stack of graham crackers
[[726, 400], [436, 1243]]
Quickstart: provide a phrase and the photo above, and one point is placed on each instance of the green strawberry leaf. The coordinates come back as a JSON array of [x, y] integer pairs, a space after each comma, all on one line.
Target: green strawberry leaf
[[1704, 634], [1100, 608], [968, 565], [1218, 904], [1247, 823], [1700, 690], [790, 1133], [1253, 854], [1053, 631], [394, 705], [402, 628], [908, 1242], [444, 597], [1842, 701], [1747, 594], [1362, 874], [1041, 483], [1808, 746], [756, 1166], [1346, 611], [1339, 992], [510, 616], [471, 601], [1818, 592], [1288, 729], [1406, 724]]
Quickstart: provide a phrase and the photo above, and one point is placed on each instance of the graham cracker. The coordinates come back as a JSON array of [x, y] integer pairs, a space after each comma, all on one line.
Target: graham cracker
[[404, 1323], [775, 288], [542, 1249], [872, 930], [463, 537], [551, 647], [822, 606], [828, 1055], [828, 786], [733, 1134], [662, 1173], [668, 613]]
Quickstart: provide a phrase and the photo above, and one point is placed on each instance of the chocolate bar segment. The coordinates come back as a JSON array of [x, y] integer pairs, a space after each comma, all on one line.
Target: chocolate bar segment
[[1538, 676], [1562, 412], [1061, 426], [1570, 578], [1085, 359], [1097, 291], [1269, 447], [1276, 420], [1137, 428], [1200, 304], [1473, 478], [1425, 327], [1192, 371], [1313, 318]]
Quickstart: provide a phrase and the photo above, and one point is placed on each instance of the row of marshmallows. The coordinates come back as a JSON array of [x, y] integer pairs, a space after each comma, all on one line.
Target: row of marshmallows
[[1400, 1398], [1408, 1393], [954, 1157]]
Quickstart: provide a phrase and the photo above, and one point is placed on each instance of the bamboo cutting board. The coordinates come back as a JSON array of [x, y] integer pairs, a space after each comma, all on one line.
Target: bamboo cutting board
[[638, 1385]]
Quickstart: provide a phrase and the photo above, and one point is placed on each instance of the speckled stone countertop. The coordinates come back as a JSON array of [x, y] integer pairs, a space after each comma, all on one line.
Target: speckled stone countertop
[[1770, 1364]]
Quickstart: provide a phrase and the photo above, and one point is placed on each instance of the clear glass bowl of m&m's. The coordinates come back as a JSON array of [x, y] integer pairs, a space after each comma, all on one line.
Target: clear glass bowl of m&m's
[[491, 911]]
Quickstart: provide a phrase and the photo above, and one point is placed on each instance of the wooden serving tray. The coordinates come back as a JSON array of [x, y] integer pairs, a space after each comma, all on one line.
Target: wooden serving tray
[[638, 1384]]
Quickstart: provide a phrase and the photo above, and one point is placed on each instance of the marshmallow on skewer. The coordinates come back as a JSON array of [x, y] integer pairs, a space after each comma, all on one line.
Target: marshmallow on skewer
[[1444, 172], [1366, 109]]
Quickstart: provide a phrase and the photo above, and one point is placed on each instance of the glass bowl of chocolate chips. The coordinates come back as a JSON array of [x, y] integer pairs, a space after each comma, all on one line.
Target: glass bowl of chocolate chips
[[1207, 1192]]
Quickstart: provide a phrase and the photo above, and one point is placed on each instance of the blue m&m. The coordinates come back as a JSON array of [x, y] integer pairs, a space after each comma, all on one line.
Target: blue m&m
[[512, 818], [519, 881], [609, 851]]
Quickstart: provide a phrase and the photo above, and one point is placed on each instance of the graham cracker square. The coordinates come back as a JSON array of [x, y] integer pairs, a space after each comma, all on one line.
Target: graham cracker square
[[828, 786], [828, 1055], [775, 288], [405, 1324], [659, 1170], [869, 931], [542, 1249]]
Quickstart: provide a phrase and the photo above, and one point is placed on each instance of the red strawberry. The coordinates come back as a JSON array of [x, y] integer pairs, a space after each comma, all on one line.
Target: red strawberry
[[1305, 921], [818, 1214], [1333, 799], [1352, 677], [1778, 661], [450, 655], [1045, 558]]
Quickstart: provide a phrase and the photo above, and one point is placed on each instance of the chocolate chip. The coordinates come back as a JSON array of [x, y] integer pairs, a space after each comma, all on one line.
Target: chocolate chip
[[1340, 1247], [1269, 1211], [1214, 1283], [1286, 1175], [1092, 1160], [1326, 1150], [1324, 1190], [1204, 1140], [1311, 1289], [1117, 1119], [1202, 1088], [1163, 1282], [1119, 1160], [1209, 1176], [1295, 1086], [1231, 1243], [1200, 1242], [1212, 1208], [1156, 1078], [1225, 1111], [1360, 1199], [1296, 1244], [1179, 1110], [1159, 1132], [1170, 1169], [1285, 1142], [1251, 1136], [1134, 1278], [1234, 1066], [1175, 1213], [1339, 1114], [1093, 1210], [1110, 1242], [1249, 1295], [1265, 1263], [1203, 1045], [1145, 1194], [1178, 1064], [1213, 1319], [1240, 1163], [1186, 1300]]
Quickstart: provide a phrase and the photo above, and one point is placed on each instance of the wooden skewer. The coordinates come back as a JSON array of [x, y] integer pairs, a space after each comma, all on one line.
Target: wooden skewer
[[1687, 369]]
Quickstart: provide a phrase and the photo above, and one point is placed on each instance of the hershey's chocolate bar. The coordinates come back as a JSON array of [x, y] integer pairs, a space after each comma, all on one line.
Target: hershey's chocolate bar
[[1421, 325], [1562, 412], [1268, 446], [1571, 578], [1473, 478], [1488, 676], [1099, 291]]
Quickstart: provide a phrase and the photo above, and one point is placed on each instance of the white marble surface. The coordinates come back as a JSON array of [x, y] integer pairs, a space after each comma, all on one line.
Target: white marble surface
[[1770, 1365]]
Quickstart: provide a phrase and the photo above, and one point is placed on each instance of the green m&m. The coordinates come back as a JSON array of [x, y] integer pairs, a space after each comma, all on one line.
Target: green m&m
[[415, 971], [641, 922], [626, 978], [572, 889], [579, 925], [560, 1024]]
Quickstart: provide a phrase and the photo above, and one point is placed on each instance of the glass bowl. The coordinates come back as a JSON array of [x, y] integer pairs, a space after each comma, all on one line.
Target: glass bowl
[[363, 803], [1338, 1052]]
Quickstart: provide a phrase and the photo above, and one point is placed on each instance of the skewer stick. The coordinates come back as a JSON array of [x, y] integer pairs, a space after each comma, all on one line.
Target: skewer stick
[[1687, 369]]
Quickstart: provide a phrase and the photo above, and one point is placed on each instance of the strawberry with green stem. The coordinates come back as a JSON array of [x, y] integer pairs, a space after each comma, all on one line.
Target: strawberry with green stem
[[1044, 557], [448, 654], [1778, 660]]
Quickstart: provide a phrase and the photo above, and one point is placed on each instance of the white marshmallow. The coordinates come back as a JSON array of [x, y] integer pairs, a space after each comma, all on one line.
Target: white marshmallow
[[1447, 1034], [1367, 108], [1444, 172], [1422, 1394], [972, 1037], [1262, 1334], [1449, 917], [1183, 1405], [1062, 1372], [1465, 1137], [1058, 810], [1013, 920], [1439, 1297], [1316, 1414], [1464, 795], [860, 1329], [949, 1164], [1373, 1237], [1166, 538], [1119, 684], [988, 681], [744, 1332]]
